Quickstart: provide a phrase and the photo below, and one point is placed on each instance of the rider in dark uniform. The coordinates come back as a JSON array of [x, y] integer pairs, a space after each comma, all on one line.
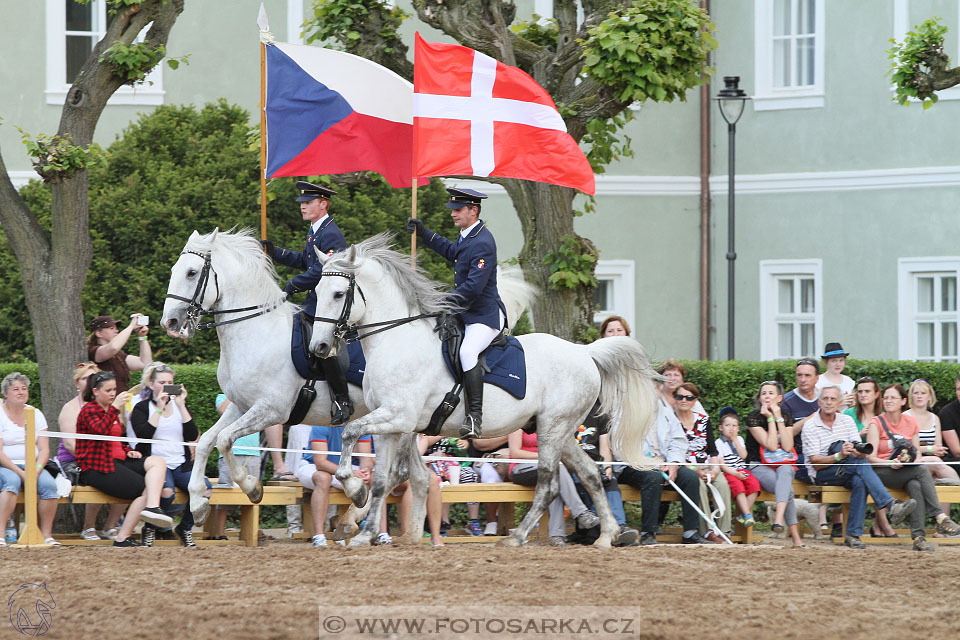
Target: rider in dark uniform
[[326, 236], [474, 258]]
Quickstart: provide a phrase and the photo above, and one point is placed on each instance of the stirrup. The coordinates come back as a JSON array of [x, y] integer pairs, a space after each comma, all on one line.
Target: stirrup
[[340, 412], [470, 428]]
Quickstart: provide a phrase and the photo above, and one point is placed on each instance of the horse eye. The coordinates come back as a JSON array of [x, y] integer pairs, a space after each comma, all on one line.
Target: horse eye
[[191, 273], [338, 295]]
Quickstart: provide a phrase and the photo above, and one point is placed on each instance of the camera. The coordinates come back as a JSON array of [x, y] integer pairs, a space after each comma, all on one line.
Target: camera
[[863, 447], [173, 389], [143, 321]]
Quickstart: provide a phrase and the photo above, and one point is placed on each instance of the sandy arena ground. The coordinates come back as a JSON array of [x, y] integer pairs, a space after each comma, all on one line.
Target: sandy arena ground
[[669, 591]]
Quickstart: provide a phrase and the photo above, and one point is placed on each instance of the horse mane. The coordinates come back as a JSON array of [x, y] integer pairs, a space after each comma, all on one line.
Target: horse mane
[[241, 249], [422, 294]]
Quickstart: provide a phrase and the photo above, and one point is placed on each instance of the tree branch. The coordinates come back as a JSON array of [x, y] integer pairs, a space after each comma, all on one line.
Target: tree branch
[[25, 234]]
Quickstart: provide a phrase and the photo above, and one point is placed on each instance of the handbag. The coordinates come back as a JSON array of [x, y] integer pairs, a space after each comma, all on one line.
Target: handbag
[[778, 457], [499, 467], [898, 444]]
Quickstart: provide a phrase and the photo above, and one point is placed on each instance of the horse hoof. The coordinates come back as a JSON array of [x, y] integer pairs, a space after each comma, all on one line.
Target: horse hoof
[[344, 531], [509, 541], [602, 544], [200, 512], [257, 494], [360, 541], [360, 499]]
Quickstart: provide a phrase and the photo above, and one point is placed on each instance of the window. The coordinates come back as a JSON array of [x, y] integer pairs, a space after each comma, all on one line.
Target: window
[[789, 54], [928, 308], [614, 292], [72, 31], [791, 318]]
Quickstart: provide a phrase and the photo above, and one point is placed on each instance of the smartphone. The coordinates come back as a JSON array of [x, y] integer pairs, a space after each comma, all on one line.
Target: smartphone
[[143, 321], [173, 389]]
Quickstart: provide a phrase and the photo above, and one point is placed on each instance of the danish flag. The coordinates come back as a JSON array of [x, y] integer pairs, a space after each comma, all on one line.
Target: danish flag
[[474, 115]]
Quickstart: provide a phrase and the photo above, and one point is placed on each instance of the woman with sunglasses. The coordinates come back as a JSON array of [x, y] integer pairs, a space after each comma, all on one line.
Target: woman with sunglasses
[[702, 452], [66, 455], [895, 474], [112, 466], [770, 426], [867, 408], [162, 414]]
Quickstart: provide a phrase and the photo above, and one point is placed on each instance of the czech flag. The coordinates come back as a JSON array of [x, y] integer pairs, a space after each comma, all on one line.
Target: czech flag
[[474, 115], [334, 112]]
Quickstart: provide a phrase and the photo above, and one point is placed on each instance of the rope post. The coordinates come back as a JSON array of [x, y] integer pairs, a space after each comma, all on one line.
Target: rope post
[[31, 536]]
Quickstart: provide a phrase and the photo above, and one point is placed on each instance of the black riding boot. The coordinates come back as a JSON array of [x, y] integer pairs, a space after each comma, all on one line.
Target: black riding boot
[[342, 408], [473, 389]]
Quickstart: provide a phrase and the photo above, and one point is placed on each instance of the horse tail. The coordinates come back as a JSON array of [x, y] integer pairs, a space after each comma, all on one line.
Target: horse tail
[[517, 294], [627, 394]]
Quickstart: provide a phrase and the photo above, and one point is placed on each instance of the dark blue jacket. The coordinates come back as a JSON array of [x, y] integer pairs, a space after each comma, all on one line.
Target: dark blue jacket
[[328, 239], [474, 274]]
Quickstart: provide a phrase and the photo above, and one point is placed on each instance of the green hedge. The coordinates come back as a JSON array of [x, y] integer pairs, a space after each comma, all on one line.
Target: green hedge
[[734, 383]]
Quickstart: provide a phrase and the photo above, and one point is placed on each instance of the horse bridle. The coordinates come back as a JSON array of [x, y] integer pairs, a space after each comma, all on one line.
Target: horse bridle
[[195, 310], [347, 332]]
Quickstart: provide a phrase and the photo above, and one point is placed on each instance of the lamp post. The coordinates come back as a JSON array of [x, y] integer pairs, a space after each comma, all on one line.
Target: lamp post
[[731, 101]]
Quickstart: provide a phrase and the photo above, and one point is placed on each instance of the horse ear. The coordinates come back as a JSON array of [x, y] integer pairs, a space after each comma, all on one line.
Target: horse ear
[[195, 234], [213, 235], [321, 256], [352, 256]]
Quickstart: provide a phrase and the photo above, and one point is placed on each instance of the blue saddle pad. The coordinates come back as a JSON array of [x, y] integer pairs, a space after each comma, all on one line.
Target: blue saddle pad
[[301, 361], [507, 364]]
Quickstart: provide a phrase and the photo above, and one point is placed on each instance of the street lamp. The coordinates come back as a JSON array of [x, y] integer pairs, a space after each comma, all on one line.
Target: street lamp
[[731, 101]]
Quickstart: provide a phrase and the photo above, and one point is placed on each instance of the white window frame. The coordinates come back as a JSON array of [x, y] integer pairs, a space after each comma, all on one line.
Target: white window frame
[[767, 97], [901, 24], [620, 273], [770, 271], [56, 68], [907, 270]]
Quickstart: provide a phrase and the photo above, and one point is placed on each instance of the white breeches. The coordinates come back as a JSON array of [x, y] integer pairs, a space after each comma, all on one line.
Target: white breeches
[[476, 338]]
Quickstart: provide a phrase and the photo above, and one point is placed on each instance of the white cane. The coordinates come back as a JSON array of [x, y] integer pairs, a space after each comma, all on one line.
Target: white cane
[[709, 522]]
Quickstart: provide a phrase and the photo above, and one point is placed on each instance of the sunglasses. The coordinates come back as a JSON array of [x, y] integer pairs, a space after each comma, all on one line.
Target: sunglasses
[[866, 379], [99, 378], [680, 396], [809, 361]]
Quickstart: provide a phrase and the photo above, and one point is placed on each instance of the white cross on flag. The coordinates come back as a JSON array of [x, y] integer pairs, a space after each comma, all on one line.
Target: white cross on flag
[[474, 115]]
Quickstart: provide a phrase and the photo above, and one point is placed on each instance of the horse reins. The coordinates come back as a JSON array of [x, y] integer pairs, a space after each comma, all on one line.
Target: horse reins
[[195, 310]]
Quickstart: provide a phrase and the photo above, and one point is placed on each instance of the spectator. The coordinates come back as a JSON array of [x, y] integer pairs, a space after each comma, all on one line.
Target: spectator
[[892, 471], [524, 445], [867, 406], [434, 506], [275, 441], [105, 347], [66, 456], [950, 427], [477, 448], [317, 471], [770, 426], [802, 403], [674, 374], [931, 450], [834, 360], [829, 438], [13, 456], [614, 326], [744, 487], [163, 415], [666, 443], [249, 459], [112, 466], [702, 452], [450, 471], [593, 436]]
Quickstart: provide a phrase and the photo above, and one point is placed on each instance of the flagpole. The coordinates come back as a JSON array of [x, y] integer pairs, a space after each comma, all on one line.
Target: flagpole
[[263, 141], [413, 214]]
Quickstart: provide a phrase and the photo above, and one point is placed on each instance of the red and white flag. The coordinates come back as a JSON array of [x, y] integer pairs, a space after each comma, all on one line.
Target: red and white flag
[[474, 115]]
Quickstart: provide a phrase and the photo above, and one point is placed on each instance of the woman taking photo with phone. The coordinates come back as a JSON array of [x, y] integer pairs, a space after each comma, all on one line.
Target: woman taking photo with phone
[[162, 414]]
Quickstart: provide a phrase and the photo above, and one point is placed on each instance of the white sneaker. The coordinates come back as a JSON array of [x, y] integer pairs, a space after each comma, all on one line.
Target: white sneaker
[[319, 540], [110, 534], [383, 538], [490, 529], [89, 534]]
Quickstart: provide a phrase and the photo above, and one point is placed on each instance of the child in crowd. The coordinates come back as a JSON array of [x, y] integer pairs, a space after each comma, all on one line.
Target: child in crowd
[[834, 360], [744, 487]]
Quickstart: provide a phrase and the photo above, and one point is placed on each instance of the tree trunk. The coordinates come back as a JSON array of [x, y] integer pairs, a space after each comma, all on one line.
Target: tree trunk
[[545, 213]]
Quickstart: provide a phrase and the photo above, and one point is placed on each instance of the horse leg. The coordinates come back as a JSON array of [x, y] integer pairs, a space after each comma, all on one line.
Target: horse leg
[[419, 488], [250, 485], [386, 454], [379, 421], [580, 463], [199, 504], [548, 488]]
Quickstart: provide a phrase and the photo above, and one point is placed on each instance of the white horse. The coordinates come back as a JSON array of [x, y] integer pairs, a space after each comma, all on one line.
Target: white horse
[[405, 379], [224, 271]]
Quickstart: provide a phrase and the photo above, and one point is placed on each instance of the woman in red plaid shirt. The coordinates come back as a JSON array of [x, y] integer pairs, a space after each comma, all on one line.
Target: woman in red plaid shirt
[[112, 466]]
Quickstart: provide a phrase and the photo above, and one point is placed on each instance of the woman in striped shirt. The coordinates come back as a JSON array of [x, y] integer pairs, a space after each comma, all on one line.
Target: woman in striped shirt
[[922, 397]]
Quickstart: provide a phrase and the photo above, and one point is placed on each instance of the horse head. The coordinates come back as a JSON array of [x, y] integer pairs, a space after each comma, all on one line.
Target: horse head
[[338, 305]]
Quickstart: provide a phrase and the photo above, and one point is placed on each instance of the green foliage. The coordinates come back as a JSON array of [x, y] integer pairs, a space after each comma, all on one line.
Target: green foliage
[[912, 61], [606, 140], [733, 383], [538, 30], [176, 170], [571, 265], [656, 49], [54, 157], [339, 21], [132, 62]]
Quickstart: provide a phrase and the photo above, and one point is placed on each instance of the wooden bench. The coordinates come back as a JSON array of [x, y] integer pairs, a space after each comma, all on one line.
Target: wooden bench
[[507, 494], [225, 496], [830, 494]]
